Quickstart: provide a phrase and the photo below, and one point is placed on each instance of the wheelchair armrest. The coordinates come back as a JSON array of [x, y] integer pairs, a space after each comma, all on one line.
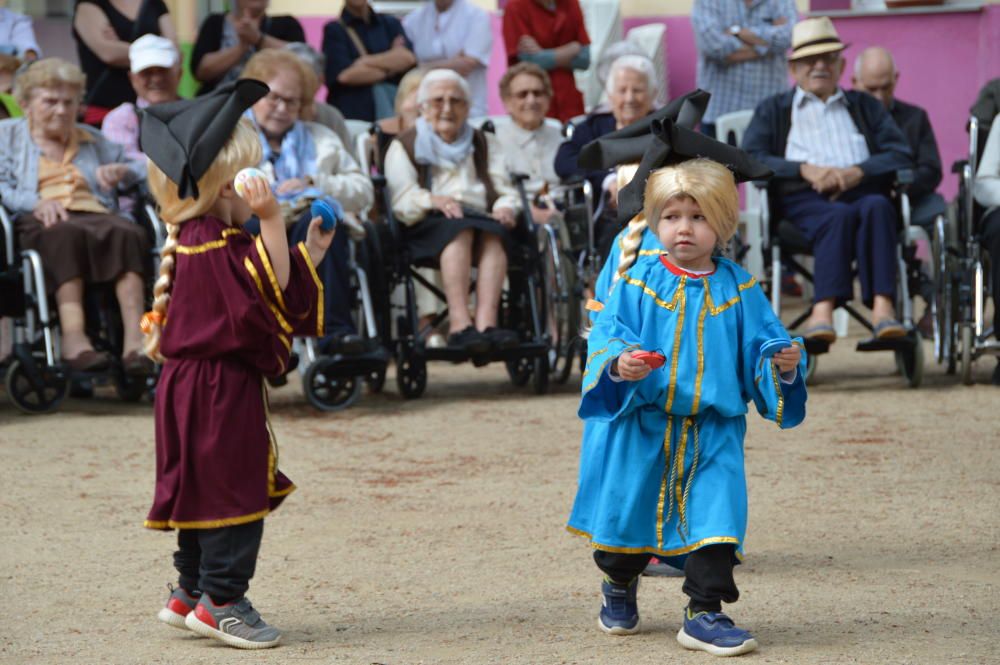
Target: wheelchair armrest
[[959, 165], [904, 178], [378, 180]]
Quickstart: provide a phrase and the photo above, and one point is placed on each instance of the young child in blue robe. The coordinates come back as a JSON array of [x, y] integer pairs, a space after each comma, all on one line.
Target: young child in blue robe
[[664, 474]]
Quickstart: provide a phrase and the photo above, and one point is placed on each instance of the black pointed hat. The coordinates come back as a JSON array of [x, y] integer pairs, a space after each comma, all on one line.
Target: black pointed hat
[[628, 144], [184, 137], [666, 140]]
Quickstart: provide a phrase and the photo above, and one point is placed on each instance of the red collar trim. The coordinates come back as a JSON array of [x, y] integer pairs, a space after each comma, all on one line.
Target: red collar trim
[[680, 272]]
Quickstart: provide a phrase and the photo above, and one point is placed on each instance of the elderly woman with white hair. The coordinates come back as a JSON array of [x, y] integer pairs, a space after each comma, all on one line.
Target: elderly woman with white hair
[[450, 191], [58, 179], [631, 88]]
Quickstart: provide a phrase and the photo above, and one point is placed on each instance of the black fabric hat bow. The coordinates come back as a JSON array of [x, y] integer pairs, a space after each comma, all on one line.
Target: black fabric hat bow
[[184, 137]]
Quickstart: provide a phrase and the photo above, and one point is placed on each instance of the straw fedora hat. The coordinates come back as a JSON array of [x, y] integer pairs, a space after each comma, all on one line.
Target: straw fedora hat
[[814, 36]]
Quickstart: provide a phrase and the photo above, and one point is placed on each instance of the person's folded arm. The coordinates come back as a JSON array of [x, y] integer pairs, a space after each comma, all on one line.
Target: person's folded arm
[[396, 60], [710, 32], [778, 37], [92, 25]]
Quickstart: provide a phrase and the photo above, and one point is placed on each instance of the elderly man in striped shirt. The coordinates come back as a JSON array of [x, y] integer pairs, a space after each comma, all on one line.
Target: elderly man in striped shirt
[[835, 154]]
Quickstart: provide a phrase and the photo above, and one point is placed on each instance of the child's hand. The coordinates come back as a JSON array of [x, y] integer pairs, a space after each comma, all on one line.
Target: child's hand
[[318, 240], [257, 194], [632, 369], [787, 359]]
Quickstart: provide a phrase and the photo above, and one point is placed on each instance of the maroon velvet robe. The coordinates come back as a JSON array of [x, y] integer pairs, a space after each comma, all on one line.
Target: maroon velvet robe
[[228, 325]]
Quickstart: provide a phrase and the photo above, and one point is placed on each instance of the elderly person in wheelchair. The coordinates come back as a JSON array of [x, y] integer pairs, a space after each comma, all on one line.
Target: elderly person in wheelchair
[[59, 180], [631, 88], [834, 154], [450, 191], [306, 160]]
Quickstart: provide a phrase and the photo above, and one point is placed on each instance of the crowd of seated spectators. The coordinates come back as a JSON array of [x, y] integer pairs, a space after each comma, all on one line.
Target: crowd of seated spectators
[[422, 80]]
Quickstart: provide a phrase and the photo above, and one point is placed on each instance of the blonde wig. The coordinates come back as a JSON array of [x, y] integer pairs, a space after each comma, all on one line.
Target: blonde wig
[[710, 184], [242, 150]]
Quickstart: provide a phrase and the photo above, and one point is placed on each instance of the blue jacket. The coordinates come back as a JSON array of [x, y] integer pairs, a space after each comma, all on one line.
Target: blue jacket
[[592, 127], [767, 136]]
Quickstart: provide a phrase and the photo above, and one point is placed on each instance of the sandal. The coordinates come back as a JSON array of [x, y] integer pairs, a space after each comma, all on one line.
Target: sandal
[[89, 361], [888, 329], [820, 333]]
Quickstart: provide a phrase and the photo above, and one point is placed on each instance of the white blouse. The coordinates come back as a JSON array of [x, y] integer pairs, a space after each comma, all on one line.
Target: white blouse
[[411, 202]]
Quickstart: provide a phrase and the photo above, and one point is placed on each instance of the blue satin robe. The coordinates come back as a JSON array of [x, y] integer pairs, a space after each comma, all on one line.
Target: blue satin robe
[[664, 474]]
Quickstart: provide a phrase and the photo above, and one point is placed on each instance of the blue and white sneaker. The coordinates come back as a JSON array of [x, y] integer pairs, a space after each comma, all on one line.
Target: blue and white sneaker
[[619, 611], [715, 633]]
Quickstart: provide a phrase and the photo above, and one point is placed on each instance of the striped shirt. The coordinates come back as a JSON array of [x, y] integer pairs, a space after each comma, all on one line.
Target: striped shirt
[[742, 85], [824, 133]]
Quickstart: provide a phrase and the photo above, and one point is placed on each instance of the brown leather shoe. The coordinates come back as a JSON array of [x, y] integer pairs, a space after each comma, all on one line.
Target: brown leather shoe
[[89, 361], [137, 363]]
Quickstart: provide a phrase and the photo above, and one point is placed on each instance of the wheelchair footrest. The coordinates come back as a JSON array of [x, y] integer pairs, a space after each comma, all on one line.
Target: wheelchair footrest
[[458, 355], [356, 365], [903, 343]]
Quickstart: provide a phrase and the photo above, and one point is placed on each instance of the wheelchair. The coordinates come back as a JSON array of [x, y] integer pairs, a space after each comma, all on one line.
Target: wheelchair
[[524, 305], [35, 378], [960, 296], [783, 245], [333, 379]]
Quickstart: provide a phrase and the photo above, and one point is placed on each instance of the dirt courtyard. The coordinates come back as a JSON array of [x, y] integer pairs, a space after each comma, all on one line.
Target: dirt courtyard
[[431, 531]]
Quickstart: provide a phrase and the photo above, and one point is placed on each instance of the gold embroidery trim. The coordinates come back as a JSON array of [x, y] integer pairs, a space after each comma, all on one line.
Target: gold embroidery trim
[[663, 483], [207, 524], [712, 540], [319, 288], [271, 277], [248, 264], [672, 305], [208, 246], [779, 413], [729, 303]]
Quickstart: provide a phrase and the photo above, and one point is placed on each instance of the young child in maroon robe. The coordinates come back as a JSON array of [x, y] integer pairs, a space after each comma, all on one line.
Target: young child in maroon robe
[[225, 308]]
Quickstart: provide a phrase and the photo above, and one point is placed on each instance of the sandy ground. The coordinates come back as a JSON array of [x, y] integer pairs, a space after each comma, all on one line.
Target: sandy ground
[[431, 531]]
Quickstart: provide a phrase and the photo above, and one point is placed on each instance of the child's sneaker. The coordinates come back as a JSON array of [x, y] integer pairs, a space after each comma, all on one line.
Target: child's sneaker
[[237, 624], [620, 610], [715, 633], [179, 605]]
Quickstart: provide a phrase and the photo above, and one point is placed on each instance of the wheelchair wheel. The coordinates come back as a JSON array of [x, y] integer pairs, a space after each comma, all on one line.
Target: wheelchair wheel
[[328, 392], [411, 374], [541, 374], [966, 352], [520, 371], [910, 361], [35, 390], [943, 306]]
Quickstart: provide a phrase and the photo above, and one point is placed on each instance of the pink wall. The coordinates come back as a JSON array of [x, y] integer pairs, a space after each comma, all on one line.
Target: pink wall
[[943, 60]]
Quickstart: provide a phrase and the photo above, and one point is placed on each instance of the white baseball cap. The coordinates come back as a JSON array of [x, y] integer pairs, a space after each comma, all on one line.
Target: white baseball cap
[[152, 51]]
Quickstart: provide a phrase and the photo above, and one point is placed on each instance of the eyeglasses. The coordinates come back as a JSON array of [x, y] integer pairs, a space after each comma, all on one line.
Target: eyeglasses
[[826, 58], [535, 92], [291, 103], [438, 103]]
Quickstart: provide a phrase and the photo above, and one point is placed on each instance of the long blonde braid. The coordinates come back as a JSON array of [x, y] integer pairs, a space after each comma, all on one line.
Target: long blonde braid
[[636, 226], [153, 325]]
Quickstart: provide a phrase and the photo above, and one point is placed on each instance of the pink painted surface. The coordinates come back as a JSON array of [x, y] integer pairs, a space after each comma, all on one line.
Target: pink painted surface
[[943, 59]]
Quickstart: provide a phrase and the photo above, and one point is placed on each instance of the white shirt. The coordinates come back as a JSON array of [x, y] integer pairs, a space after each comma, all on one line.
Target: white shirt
[[463, 28], [411, 202], [16, 31], [531, 152], [824, 133]]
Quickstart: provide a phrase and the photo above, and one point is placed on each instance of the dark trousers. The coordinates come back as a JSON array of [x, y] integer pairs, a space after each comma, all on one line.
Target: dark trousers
[[219, 562], [991, 243], [333, 271], [860, 226], [335, 274], [708, 574]]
